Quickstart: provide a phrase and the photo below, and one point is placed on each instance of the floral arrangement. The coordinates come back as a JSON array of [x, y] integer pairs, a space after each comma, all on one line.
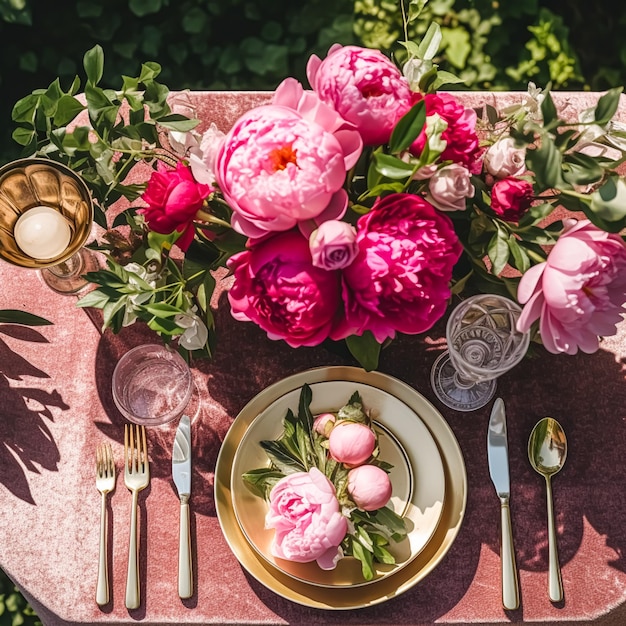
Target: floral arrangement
[[350, 210], [327, 490]]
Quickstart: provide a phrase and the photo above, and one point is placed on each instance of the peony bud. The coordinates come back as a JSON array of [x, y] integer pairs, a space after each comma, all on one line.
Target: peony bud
[[369, 487], [324, 423], [351, 443]]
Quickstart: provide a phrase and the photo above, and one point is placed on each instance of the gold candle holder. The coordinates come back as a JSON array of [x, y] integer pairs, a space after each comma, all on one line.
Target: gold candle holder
[[29, 183]]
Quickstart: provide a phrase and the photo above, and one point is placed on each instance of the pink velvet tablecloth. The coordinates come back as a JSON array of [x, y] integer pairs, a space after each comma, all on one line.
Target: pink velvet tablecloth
[[56, 406]]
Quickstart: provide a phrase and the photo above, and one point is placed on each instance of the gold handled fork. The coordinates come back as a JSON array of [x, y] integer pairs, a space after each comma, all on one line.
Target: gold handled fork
[[105, 483], [136, 478]]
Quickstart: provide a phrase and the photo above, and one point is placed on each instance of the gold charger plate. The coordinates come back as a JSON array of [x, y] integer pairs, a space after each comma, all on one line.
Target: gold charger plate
[[350, 597], [417, 477]]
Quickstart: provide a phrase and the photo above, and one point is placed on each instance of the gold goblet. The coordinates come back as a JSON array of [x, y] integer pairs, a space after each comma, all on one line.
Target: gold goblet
[[46, 216]]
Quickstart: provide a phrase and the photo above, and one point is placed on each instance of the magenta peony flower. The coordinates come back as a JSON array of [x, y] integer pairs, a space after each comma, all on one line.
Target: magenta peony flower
[[511, 198], [369, 487], [462, 144], [449, 187], [333, 245], [364, 86], [173, 198], [277, 287], [279, 166], [305, 514], [399, 282], [578, 294], [351, 443]]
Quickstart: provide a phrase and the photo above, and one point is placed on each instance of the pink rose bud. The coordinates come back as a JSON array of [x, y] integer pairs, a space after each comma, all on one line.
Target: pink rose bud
[[333, 245], [369, 487], [324, 423], [503, 159], [351, 443]]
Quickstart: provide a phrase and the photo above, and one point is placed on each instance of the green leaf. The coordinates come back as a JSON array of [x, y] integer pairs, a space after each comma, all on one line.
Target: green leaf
[[93, 62], [408, 128], [68, 108], [545, 162], [285, 461], [14, 316], [609, 203], [498, 252], [548, 109], [366, 559], [520, 258], [607, 106], [365, 349], [178, 122], [392, 167], [582, 169], [429, 45]]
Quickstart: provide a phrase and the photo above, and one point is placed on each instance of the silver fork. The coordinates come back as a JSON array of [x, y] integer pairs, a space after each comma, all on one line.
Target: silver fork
[[136, 478], [105, 483]]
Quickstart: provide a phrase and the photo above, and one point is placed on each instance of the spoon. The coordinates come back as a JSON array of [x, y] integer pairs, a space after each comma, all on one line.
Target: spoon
[[547, 449]]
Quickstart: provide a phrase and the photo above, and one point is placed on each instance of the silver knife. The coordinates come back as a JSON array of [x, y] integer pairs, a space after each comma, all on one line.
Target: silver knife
[[181, 472], [498, 454]]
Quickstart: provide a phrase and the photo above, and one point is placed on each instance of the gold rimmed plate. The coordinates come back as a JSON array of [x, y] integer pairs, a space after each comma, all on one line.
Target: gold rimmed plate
[[387, 586], [417, 477]]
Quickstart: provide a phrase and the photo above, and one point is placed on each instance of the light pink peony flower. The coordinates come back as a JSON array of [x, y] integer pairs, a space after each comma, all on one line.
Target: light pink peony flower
[[279, 165], [306, 516], [503, 159], [462, 144], [351, 443], [399, 282], [449, 187], [173, 197], [277, 287], [364, 86], [578, 294], [369, 487], [324, 423], [333, 245], [511, 198]]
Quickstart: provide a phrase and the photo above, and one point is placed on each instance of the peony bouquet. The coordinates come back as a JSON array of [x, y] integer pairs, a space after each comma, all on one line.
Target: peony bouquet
[[327, 490], [352, 209]]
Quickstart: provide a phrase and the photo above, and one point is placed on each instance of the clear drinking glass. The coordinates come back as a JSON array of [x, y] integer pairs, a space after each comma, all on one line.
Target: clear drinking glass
[[152, 385], [483, 343]]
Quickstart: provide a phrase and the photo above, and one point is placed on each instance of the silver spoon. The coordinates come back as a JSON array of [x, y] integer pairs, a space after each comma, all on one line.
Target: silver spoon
[[547, 449]]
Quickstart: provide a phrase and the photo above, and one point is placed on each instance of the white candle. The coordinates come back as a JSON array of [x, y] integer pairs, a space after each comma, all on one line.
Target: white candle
[[42, 233]]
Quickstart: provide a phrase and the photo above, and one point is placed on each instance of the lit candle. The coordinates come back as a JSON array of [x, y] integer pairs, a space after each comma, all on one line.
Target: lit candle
[[42, 233]]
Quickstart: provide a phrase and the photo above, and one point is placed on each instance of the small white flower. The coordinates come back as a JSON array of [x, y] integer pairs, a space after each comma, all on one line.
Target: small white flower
[[202, 157], [413, 71], [196, 333]]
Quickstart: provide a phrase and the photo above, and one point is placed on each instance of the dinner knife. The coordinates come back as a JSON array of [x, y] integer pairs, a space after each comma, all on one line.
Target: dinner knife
[[181, 473], [498, 454]]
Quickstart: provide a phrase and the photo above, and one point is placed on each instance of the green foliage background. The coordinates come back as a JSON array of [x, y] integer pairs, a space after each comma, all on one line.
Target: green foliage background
[[245, 44]]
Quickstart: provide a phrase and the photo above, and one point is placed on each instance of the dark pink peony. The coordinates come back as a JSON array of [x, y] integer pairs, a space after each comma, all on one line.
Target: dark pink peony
[[173, 198], [462, 144], [511, 198], [399, 281], [277, 287], [363, 86]]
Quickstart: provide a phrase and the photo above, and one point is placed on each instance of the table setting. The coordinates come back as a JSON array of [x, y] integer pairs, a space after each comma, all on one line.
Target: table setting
[[172, 412]]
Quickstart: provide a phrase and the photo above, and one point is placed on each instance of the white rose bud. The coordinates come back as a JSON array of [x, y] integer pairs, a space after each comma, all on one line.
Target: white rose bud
[[503, 159], [449, 188]]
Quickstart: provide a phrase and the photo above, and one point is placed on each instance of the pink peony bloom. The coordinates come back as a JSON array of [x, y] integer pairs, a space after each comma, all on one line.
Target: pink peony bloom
[[369, 487], [364, 86], [503, 159], [449, 187], [578, 294], [333, 245], [351, 443], [511, 198], [305, 514], [324, 423], [277, 287], [173, 198], [462, 144], [399, 281], [279, 166]]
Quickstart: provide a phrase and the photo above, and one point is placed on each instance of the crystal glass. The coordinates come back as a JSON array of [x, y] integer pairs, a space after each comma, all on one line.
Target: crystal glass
[[46, 216], [152, 385], [483, 343]]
